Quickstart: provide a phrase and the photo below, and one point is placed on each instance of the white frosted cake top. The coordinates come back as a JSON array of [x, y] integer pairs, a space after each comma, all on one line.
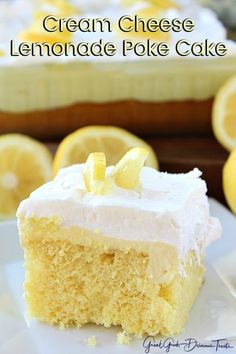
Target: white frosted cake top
[[171, 208], [16, 16]]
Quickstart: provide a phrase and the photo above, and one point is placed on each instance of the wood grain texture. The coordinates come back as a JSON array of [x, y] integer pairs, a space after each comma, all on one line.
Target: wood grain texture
[[178, 155], [166, 118]]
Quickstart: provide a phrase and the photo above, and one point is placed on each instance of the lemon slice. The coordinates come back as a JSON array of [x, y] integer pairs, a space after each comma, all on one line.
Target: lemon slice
[[113, 141], [25, 164], [127, 171], [229, 180], [224, 115], [94, 172]]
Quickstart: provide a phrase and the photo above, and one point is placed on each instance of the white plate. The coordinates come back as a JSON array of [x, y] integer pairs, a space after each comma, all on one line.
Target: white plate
[[213, 315]]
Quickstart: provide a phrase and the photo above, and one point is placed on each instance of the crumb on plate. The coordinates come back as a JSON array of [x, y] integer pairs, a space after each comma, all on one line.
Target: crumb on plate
[[123, 338], [91, 341]]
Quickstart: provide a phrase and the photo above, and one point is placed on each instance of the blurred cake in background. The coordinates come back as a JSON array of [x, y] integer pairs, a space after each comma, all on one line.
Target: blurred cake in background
[[144, 94]]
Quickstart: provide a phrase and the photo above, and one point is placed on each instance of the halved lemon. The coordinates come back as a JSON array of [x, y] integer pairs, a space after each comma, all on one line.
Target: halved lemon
[[229, 180], [25, 164], [114, 142], [224, 115]]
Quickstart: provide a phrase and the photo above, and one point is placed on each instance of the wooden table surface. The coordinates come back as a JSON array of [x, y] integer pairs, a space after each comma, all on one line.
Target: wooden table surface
[[178, 155]]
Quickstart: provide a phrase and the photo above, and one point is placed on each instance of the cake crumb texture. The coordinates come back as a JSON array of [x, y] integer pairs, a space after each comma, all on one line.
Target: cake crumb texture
[[70, 284], [123, 338]]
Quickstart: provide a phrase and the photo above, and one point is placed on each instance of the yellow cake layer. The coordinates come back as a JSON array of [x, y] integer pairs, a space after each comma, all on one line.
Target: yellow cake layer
[[56, 85], [70, 281]]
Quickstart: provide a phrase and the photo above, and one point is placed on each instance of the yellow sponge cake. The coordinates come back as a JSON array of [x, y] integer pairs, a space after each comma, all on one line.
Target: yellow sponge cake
[[100, 250]]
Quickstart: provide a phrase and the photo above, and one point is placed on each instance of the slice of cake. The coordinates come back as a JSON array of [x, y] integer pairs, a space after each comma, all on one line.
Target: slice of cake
[[121, 245]]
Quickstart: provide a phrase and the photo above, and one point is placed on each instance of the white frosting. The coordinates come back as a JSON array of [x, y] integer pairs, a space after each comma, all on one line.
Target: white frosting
[[170, 208], [16, 16]]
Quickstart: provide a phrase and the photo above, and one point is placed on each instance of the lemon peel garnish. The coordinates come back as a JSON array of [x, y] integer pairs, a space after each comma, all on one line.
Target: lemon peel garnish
[[126, 173], [113, 141], [94, 172]]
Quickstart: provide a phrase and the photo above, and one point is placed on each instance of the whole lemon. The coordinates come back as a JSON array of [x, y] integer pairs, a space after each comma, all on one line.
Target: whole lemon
[[229, 180]]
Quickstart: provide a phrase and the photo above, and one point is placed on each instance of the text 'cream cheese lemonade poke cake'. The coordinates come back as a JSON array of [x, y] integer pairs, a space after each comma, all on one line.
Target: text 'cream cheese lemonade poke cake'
[[122, 245], [143, 93]]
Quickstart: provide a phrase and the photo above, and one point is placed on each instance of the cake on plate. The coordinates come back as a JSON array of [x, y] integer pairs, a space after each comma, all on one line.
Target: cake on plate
[[144, 94], [120, 245]]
